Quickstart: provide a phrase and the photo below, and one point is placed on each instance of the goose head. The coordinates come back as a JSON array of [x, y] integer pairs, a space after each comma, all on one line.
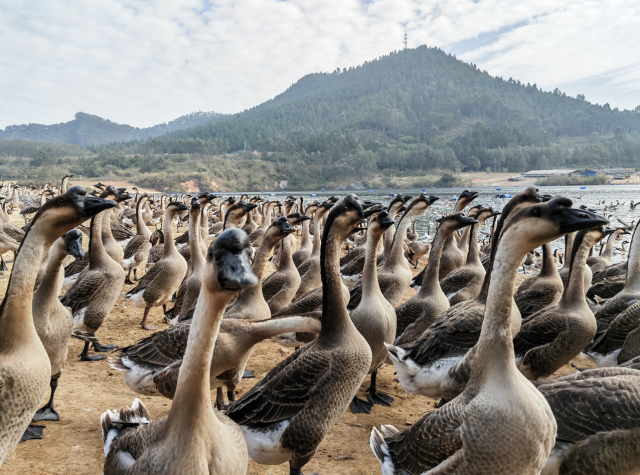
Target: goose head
[[278, 231], [297, 218], [157, 237], [176, 207], [346, 215], [228, 267], [69, 210], [379, 223], [467, 197], [323, 208], [419, 204], [73, 244], [455, 221], [544, 222]]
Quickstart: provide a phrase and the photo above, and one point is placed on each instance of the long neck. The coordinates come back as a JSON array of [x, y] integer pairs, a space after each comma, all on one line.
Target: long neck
[[608, 250], [306, 239], [397, 246], [197, 259], [286, 255], [204, 224], [568, 247], [633, 264], [472, 255], [51, 284], [106, 234], [317, 239], [192, 401], [548, 264], [275, 326], [575, 284], [253, 294], [16, 315], [431, 278], [463, 245], [169, 245], [97, 253], [141, 226], [370, 284], [335, 317], [494, 359]]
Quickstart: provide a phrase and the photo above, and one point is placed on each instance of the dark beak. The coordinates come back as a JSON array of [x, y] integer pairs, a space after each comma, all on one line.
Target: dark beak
[[573, 219], [183, 207], [371, 211], [385, 222], [74, 248], [234, 270], [545, 198], [369, 204], [432, 199], [305, 218], [402, 209], [124, 197], [286, 228], [93, 206], [469, 221]]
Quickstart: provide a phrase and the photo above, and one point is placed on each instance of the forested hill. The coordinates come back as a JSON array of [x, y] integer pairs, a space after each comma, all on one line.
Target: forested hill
[[405, 94], [87, 129]]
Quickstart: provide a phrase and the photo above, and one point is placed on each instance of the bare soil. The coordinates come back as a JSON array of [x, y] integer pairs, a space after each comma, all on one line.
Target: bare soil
[[74, 444]]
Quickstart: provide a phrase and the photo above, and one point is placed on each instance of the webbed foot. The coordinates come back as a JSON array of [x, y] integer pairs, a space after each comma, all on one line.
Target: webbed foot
[[358, 406], [32, 432]]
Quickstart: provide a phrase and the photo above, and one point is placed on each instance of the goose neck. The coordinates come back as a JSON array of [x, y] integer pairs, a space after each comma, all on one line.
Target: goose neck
[[431, 278], [97, 252], [197, 259], [548, 264], [575, 282], [568, 247], [286, 257], [306, 238], [370, 284], [395, 255], [169, 246], [633, 264], [141, 226]]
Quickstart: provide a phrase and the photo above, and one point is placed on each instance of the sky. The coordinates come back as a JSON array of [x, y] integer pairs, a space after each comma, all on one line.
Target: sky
[[147, 62]]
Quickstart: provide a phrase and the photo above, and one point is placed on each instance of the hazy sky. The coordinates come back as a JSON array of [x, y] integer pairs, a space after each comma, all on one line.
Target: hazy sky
[[146, 62]]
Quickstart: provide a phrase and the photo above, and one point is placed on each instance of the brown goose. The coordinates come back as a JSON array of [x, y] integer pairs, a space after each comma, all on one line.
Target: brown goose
[[452, 257], [598, 263], [267, 209], [598, 417], [52, 320], [552, 337], [500, 424], [280, 287], [374, 318], [25, 370], [164, 278], [306, 246], [285, 417], [465, 282], [7, 244], [420, 311], [438, 363], [395, 274], [542, 290], [194, 437], [92, 297], [137, 250]]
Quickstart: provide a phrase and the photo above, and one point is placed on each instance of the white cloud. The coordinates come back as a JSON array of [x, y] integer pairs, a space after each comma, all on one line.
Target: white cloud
[[144, 62]]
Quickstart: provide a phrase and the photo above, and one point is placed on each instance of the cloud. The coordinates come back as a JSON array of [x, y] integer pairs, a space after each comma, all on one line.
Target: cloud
[[144, 62]]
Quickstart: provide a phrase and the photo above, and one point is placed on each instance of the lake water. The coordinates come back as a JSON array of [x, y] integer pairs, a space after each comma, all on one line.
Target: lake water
[[616, 198]]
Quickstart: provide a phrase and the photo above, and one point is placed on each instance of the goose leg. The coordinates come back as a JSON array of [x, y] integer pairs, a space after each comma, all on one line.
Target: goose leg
[[374, 396], [219, 399], [47, 412], [231, 395], [32, 432], [298, 471], [84, 356], [143, 323], [135, 274], [127, 280], [358, 406], [103, 348], [248, 374], [3, 266]]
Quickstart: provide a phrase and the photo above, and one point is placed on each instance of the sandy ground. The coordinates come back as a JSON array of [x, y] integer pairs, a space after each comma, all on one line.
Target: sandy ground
[[74, 444]]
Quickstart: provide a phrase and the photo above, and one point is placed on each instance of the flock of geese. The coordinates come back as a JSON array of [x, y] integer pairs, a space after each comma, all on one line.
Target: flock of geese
[[467, 338]]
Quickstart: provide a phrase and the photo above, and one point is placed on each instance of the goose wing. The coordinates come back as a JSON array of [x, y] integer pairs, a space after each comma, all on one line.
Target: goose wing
[[456, 280], [585, 405], [272, 285], [307, 303], [120, 231], [160, 349], [284, 391], [81, 293], [428, 442], [612, 309], [134, 246], [540, 329], [453, 334], [77, 266], [616, 334], [155, 271], [532, 298]]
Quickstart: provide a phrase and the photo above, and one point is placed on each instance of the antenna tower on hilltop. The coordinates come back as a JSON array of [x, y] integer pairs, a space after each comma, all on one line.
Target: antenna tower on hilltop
[[405, 40]]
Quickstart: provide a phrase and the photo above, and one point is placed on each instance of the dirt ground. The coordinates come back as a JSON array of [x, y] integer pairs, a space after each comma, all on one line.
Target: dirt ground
[[74, 444]]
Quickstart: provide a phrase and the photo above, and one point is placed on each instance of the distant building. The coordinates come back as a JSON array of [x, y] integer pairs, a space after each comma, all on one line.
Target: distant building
[[618, 173], [588, 173], [548, 173]]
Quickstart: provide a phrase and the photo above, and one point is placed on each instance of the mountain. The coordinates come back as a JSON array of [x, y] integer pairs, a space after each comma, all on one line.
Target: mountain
[[87, 129]]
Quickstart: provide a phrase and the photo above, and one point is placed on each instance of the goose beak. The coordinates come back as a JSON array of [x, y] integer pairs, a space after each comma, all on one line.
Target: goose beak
[[74, 248], [385, 221], [369, 204], [305, 218], [93, 205], [573, 219], [432, 199], [469, 221], [286, 228], [372, 210]]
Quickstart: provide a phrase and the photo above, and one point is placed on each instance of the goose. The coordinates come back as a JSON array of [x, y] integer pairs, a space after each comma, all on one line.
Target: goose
[[415, 251], [499, 424], [157, 246], [615, 306], [412, 235], [464, 283], [193, 437], [285, 417], [395, 274], [598, 416], [420, 311], [137, 250], [598, 263], [543, 290], [233, 216], [7, 244], [437, 365], [452, 257], [267, 209], [25, 370], [94, 294], [310, 269], [552, 337], [163, 279], [52, 320], [306, 246], [35, 204], [280, 287], [374, 318]]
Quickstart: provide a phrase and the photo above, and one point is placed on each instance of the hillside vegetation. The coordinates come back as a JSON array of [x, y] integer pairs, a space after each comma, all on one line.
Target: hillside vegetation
[[410, 113]]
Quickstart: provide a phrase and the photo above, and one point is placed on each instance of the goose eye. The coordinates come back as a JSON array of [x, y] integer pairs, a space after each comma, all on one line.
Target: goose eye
[[536, 212], [60, 201]]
